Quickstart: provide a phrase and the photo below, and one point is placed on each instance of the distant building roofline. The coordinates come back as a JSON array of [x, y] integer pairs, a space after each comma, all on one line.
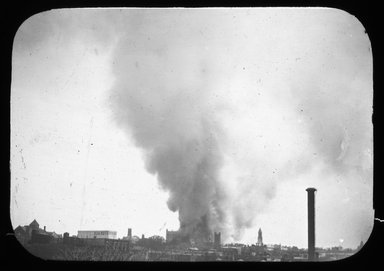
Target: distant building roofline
[[97, 231]]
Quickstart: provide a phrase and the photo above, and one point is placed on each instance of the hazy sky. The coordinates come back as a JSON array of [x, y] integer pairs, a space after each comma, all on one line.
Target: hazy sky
[[116, 114]]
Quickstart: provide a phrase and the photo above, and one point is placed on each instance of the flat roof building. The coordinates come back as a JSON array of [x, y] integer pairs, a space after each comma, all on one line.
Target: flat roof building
[[97, 234]]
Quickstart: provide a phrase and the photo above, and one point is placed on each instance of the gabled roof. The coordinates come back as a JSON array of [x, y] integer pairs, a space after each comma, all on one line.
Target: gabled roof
[[34, 223], [20, 228]]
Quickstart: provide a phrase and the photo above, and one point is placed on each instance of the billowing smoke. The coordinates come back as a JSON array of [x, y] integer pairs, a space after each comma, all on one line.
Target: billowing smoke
[[167, 111], [224, 112]]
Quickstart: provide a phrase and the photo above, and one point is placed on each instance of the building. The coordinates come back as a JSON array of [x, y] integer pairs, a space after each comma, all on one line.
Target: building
[[34, 225], [129, 235], [40, 237], [72, 240], [123, 245], [25, 233], [135, 239], [260, 238], [230, 253], [172, 236], [217, 240], [22, 234], [97, 234], [54, 234]]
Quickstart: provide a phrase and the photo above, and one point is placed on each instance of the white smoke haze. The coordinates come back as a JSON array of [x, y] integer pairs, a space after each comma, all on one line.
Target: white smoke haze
[[228, 105]]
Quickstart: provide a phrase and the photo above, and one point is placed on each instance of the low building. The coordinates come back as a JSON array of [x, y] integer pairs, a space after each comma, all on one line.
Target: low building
[[40, 237], [122, 245], [171, 236], [230, 253], [176, 237], [54, 234], [72, 240], [97, 234]]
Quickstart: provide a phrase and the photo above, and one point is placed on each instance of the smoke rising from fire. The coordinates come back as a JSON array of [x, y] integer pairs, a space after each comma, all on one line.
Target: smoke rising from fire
[[166, 110], [222, 120]]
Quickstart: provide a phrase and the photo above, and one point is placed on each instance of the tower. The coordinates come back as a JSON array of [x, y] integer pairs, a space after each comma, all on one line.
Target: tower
[[217, 239], [260, 238], [311, 223]]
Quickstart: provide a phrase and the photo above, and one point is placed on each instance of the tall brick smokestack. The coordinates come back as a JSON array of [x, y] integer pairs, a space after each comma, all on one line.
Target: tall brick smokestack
[[311, 223]]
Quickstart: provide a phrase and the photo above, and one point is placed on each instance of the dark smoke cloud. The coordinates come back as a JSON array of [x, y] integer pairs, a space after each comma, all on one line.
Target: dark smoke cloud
[[166, 110]]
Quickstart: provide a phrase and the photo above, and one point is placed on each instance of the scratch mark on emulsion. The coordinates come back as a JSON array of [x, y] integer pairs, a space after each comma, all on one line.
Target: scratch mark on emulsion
[[86, 174], [22, 159]]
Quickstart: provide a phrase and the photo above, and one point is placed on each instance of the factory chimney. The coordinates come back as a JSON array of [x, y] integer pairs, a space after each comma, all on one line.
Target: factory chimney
[[129, 233], [311, 223]]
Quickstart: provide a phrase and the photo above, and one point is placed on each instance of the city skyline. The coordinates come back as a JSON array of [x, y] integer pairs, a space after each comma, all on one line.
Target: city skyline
[[117, 113], [111, 234]]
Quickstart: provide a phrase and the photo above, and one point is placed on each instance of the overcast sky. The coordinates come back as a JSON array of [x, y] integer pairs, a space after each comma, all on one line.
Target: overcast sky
[[116, 114]]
